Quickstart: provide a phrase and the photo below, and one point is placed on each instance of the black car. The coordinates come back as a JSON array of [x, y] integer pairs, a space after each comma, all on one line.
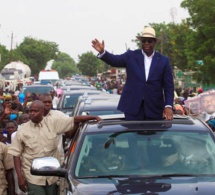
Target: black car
[[137, 157], [99, 107], [69, 98], [77, 87], [89, 98], [38, 89]]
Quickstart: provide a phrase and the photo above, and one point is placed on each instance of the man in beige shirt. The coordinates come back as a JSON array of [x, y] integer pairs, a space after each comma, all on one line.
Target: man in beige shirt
[[39, 138], [6, 171], [46, 98]]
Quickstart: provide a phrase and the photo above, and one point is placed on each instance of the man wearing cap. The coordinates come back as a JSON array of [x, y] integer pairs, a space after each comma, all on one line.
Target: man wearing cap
[[149, 89]]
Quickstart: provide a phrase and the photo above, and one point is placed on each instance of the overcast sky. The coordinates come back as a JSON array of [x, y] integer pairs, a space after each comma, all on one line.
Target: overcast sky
[[72, 24]]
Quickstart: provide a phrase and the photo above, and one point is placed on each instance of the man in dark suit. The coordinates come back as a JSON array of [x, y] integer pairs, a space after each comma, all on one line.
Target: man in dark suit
[[149, 89]]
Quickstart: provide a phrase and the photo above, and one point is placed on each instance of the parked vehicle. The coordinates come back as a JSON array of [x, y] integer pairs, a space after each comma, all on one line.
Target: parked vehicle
[[16, 71], [116, 156]]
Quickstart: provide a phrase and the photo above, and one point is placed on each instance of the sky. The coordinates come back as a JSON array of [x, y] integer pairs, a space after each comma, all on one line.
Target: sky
[[73, 24]]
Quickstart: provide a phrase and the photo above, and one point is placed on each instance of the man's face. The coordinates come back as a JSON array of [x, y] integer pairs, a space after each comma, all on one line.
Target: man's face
[[208, 103], [148, 45], [10, 128], [47, 101], [36, 113]]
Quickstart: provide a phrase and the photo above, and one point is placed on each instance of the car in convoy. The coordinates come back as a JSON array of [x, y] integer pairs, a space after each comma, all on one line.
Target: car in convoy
[[69, 98], [98, 106], [115, 156], [89, 98], [71, 82], [77, 87], [49, 76], [37, 89]]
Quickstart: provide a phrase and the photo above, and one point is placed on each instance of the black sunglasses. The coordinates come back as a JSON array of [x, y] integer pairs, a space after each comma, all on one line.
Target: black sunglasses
[[148, 40]]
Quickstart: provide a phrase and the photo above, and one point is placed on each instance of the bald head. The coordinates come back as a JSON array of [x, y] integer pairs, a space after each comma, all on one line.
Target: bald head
[[44, 96], [36, 111], [38, 104]]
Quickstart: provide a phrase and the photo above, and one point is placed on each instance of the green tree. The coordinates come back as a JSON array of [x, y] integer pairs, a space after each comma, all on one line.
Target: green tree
[[35, 53], [65, 65], [201, 41], [89, 64], [5, 56]]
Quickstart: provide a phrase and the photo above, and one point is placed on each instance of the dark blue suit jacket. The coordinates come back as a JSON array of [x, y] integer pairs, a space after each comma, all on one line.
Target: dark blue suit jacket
[[157, 91]]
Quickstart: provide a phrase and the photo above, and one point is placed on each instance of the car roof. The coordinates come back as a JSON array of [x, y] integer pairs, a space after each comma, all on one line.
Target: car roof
[[72, 87], [98, 106], [81, 91], [95, 104], [177, 124], [102, 96]]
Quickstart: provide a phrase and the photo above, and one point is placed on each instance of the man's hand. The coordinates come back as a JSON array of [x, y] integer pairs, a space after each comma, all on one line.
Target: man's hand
[[168, 113], [98, 46], [7, 109], [27, 95], [22, 184]]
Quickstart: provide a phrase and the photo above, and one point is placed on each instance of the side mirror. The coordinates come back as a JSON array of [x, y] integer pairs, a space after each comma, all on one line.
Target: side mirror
[[47, 166]]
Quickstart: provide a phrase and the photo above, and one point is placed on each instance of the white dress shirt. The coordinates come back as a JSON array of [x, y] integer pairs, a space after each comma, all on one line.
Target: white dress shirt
[[147, 62], [209, 116]]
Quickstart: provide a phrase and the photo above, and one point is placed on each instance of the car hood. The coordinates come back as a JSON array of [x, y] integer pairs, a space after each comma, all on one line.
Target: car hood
[[152, 186]]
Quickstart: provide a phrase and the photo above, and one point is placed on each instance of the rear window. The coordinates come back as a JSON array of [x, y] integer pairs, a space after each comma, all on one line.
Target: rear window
[[38, 89]]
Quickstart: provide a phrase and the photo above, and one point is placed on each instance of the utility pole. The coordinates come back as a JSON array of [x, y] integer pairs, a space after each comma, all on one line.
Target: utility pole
[[173, 13], [11, 48]]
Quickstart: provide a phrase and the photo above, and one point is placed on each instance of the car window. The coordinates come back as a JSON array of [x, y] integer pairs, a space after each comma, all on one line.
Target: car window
[[146, 153], [70, 100]]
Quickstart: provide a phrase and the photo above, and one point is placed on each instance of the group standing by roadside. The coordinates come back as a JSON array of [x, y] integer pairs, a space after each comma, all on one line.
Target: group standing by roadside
[[31, 129]]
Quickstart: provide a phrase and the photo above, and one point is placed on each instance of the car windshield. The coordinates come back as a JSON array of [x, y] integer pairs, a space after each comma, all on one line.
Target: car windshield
[[146, 153]]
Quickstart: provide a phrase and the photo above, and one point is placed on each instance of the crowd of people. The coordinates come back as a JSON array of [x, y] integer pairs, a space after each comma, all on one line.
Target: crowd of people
[[30, 128], [196, 103]]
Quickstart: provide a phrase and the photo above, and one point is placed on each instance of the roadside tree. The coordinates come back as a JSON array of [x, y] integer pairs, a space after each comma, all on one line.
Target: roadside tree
[[65, 65]]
